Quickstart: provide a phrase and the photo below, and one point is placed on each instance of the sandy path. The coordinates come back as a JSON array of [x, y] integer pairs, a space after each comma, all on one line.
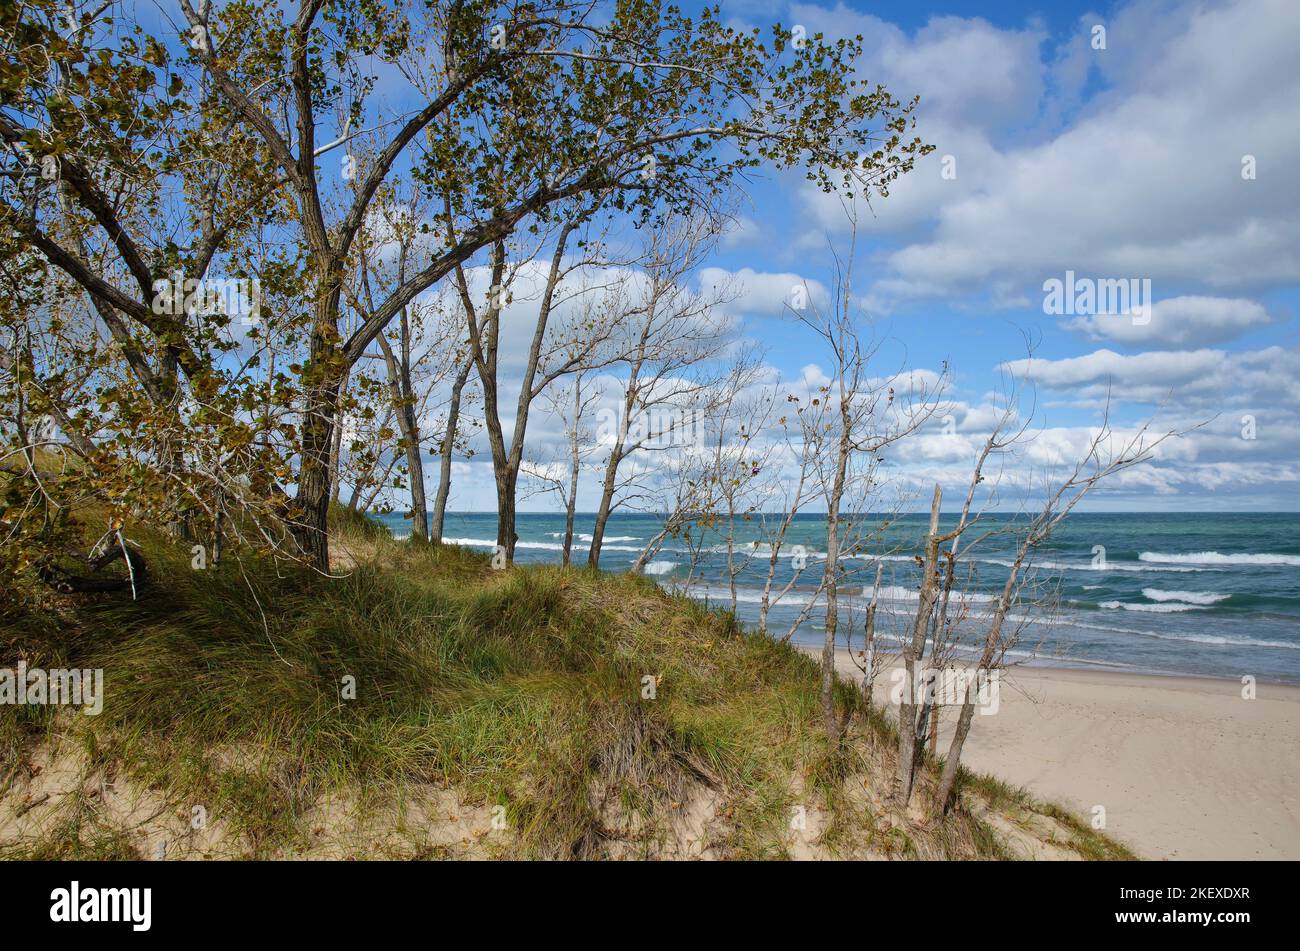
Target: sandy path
[[1185, 768]]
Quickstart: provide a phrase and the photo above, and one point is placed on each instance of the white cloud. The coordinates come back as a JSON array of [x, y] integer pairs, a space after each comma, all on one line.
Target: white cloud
[[1107, 365], [1145, 181], [762, 294], [1179, 322]]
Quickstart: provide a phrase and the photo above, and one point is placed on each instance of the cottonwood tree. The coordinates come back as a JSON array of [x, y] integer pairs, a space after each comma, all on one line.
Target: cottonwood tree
[[427, 346], [1108, 452], [949, 616], [576, 343], [228, 137], [670, 346], [933, 625], [573, 404], [792, 487], [739, 459], [703, 490], [852, 420]]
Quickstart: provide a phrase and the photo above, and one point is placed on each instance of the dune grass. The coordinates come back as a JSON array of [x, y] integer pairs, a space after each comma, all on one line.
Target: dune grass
[[257, 688]]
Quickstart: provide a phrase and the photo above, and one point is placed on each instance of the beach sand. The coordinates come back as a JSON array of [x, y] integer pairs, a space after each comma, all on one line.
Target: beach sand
[[1185, 767]]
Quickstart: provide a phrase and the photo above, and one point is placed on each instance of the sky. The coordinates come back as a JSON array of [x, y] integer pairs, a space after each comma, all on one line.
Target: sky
[[1152, 143], [1167, 157]]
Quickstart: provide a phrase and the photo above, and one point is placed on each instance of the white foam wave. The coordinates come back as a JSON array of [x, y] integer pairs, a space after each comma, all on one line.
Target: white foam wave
[[543, 546], [1189, 597], [1090, 566], [1150, 608], [1215, 558]]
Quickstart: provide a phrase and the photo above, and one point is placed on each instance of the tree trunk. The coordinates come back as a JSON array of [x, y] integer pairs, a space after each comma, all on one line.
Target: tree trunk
[[400, 391], [484, 345], [831, 584], [913, 651], [571, 502], [506, 535], [616, 453], [313, 499], [507, 476], [606, 503], [869, 640], [314, 476], [448, 446], [832, 624], [948, 780]]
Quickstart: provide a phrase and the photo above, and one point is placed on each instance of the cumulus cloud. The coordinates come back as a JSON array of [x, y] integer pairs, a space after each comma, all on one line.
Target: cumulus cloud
[[1107, 365], [762, 293], [1179, 322], [1140, 183], [1201, 381]]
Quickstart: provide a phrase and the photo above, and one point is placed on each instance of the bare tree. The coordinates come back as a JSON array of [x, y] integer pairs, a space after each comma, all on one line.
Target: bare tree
[[572, 404], [1107, 454], [549, 356], [853, 419], [424, 350], [708, 487], [668, 341]]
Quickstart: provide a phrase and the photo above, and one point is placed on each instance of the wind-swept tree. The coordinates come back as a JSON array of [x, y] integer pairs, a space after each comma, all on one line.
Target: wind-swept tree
[[231, 139]]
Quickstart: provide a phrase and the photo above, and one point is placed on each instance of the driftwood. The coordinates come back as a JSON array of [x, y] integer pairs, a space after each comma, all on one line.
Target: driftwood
[[66, 582]]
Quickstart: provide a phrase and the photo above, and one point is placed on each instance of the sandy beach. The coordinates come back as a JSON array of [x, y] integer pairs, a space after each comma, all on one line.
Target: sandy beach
[[1185, 767]]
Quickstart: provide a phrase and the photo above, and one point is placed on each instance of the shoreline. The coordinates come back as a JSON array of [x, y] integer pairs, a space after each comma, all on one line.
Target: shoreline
[[1184, 767], [1051, 664]]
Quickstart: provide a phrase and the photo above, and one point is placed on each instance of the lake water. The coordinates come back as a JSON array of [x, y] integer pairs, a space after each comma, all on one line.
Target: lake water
[[1206, 594]]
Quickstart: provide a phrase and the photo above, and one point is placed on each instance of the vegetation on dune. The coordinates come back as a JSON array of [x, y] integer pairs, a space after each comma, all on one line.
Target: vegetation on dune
[[527, 689]]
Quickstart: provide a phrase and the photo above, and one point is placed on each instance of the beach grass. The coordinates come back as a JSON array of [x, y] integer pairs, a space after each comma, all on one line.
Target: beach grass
[[535, 712]]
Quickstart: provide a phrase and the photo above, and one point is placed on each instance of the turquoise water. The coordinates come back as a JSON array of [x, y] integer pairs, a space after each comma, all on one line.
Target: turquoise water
[[1207, 594]]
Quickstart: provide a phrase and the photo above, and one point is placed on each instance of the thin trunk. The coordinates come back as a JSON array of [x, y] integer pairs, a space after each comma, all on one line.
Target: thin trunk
[[948, 780], [404, 409], [950, 575], [652, 546], [831, 584], [606, 504], [377, 486], [869, 640], [528, 391], [616, 454], [913, 651], [571, 501], [218, 531], [484, 344], [448, 446]]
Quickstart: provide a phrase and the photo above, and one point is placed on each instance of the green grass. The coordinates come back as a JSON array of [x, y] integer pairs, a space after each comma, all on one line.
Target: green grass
[[522, 688]]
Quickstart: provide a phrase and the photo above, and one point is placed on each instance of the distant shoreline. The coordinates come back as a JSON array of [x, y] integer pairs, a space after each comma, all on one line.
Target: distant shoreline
[[944, 512], [1087, 667]]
